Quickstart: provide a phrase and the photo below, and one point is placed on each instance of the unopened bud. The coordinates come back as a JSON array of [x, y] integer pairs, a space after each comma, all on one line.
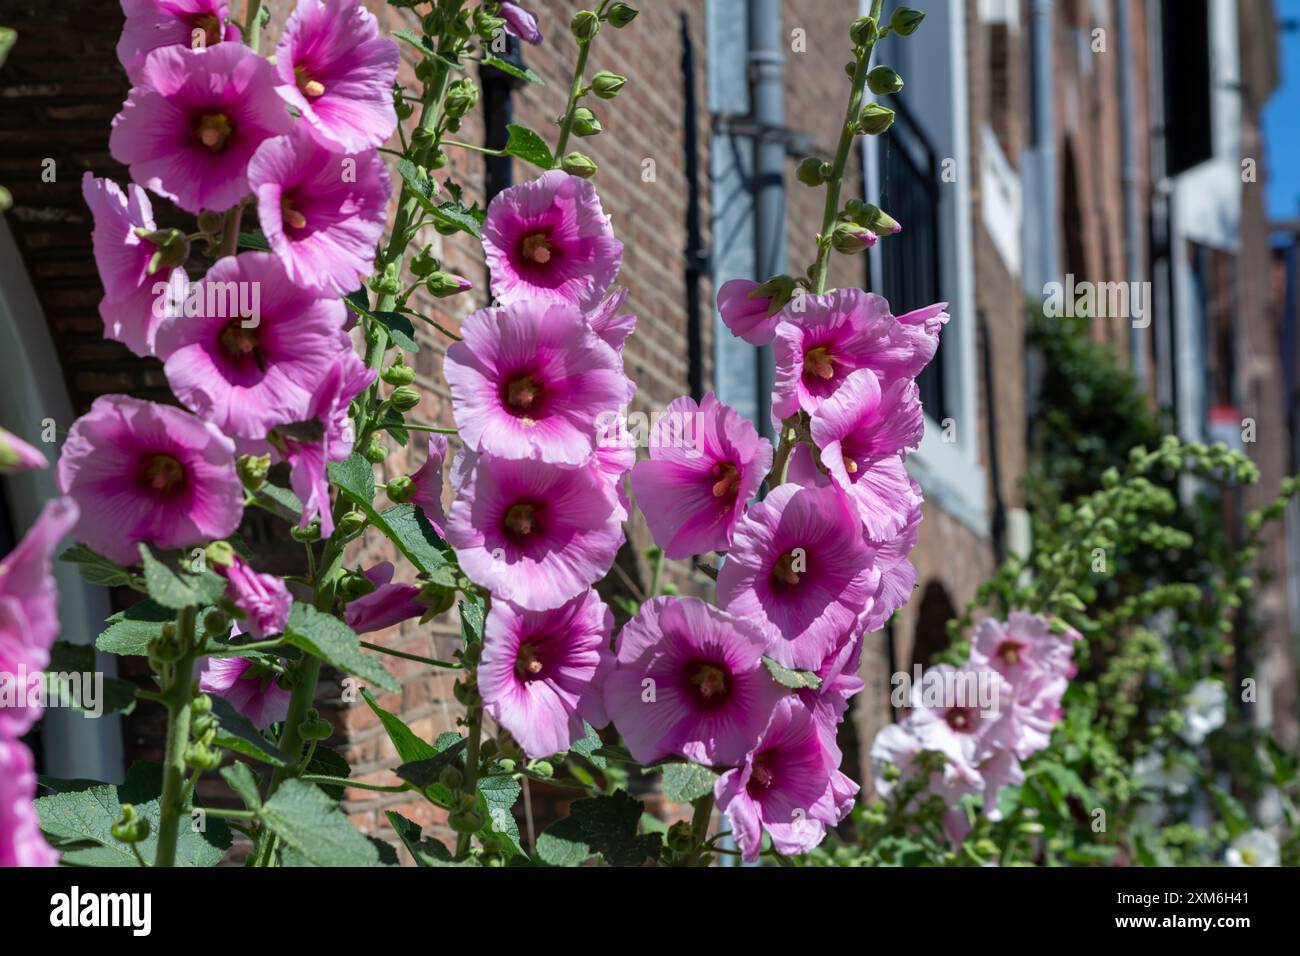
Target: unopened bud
[[585, 25], [578, 164], [850, 238], [352, 523], [620, 15], [404, 398], [443, 284], [424, 263], [399, 373], [308, 534], [875, 119], [607, 85], [585, 122], [252, 470], [813, 171], [905, 21], [132, 828], [884, 80], [210, 221], [400, 489], [376, 452], [864, 31]]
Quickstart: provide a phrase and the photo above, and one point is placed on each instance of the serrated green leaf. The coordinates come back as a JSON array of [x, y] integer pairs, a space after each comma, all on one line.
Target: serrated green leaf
[[179, 590], [255, 239], [236, 733], [589, 746], [423, 189], [795, 680], [604, 825], [684, 782], [355, 477], [409, 747], [407, 527], [243, 781], [506, 67], [471, 620], [400, 330], [426, 773], [427, 852], [528, 146], [129, 632], [311, 823], [327, 762], [95, 568], [281, 502], [498, 794], [328, 638]]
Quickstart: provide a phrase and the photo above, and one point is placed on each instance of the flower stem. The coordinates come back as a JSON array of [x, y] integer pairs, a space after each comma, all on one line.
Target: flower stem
[[575, 94], [474, 717], [700, 829], [410, 657], [178, 697]]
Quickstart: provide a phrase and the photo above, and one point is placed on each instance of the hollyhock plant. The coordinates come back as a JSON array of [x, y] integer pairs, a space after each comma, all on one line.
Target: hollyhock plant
[[386, 605], [248, 373], [189, 127], [322, 212], [16, 455], [520, 22], [146, 473], [151, 24], [21, 843], [747, 312], [782, 786], [689, 679], [799, 569], [251, 689], [532, 533], [549, 241], [124, 256], [540, 672], [337, 71], [706, 463], [529, 380], [862, 433], [263, 598], [29, 619]]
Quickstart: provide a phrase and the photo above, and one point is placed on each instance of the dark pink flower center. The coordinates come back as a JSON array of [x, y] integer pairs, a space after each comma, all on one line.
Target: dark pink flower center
[[1010, 651], [819, 363], [761, 776], [710, 681], [521, 519], [536, 247], [307, 84], [961, 719], [522, 396], [528, 666], [292, 217], [726, 479], [214, 130], [163, 475], [788, 568], [241, 344]]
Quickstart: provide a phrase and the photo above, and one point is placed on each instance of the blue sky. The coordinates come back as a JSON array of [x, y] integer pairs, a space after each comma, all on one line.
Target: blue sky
[[1282, 123]]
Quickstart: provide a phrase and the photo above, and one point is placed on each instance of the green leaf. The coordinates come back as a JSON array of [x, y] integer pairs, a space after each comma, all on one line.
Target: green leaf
[[280, 501], [178, 591], [409, 747], [255, 239], [311, 823], [400, 329], [407, 527], [355, 477], [423, 189], [415, 39], [243, 781], [471, 620], [84, 812], [328, 638], [236, 732], [455, 214], [588, 746], [327, 762], [129, 632], [426, 852], [497, 795], [528, 146], [796, 680], [506, 67], [96, 568], [604, 825], [684, 782], [426, 773]]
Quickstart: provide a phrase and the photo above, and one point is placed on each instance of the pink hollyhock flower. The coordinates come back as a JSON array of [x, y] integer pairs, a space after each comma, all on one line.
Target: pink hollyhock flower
[[549, 242], [21, 842], [706, 462], [16, 455], [749, 316], [345, 379], [29, 619], [122, 257], [263, 598], [151, 24], [532, 533], [386, 605], [611, 324], [247, 374], [863, 435], [962, 712], [323, 213], [141, 472], [783, 786], [1023, 647], [521, 23], [251, 689], [689, 679], [191, 124], [540, 674], [615, 455], [427, 483], [839, 682], [898, 746], [799, 569], [529, 380], [337, 70]]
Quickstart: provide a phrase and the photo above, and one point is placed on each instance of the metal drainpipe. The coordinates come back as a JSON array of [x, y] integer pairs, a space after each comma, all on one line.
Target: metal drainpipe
[[1132, 213], [1041, 15], [767, 85], [697, 259]]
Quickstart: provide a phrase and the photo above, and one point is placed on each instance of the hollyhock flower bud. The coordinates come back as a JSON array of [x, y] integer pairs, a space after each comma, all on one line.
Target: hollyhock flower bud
[[607, 85], [863, 435], [905, 21], [190, 126], [21, 842], [400, 489], [376, 452], [399, 373], [29, 619], [404, 398], [529, 380], [423, 263], [148, 473], [16, 455], [520, 22], [689, 679], [883, 80], [813, 171], [532, 533], [252, 470], [549, 241], [863, 31], [620, 15], [849, 238], [249, 365], [337, 70], [486, 25], [579, 164], [426, 483], [131, 828], [875, 119], [460, 99], [706, 463], [585, 25], [787, 785], [263, 598], [179, 23], [799, 570], [444, 284], [388, 604], [125, 258], [249, 687], [322, 212], [585, 122], [541, 672]]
